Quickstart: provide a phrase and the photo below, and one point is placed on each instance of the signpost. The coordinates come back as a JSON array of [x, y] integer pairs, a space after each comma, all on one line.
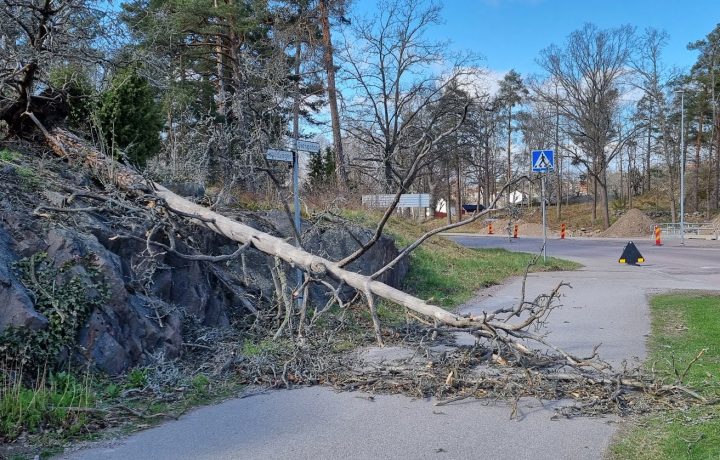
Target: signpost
[[298, 146], [293, 157], [543, 161], [306, 146], [279, 155]]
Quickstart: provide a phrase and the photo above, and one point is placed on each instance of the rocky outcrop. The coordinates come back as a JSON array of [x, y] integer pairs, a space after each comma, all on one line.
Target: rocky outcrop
[[335, 240], [152, 296], [127, 329], [16, 306]]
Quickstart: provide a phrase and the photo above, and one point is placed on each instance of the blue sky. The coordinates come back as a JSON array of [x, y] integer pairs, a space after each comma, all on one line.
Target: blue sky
[[511, 33]]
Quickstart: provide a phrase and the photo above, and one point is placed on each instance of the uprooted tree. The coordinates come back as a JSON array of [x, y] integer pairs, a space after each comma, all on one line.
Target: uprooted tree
[[38, 36], [491, 326]]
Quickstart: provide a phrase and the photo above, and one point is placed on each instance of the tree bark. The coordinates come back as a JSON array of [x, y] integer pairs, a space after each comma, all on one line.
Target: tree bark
[[647, 157], [696, 178], [459, 189], [509, 153], [341, 171], [448, 205]]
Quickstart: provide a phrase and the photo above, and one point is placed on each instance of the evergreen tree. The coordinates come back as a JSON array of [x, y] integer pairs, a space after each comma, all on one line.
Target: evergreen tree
[[130, 117], [317, 170], [329, 165]]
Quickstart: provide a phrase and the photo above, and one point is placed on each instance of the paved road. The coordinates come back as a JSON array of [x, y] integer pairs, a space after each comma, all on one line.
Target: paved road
[[607, 303], [608, 300]]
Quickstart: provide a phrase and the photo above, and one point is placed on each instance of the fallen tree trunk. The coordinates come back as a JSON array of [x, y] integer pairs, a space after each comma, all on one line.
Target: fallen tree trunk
[[491, 326], [69, 146]]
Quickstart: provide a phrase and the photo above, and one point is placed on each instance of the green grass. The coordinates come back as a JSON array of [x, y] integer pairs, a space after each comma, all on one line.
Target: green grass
[[54, 404], [451, 274], [683, 325], [448, 274], [7, 156]]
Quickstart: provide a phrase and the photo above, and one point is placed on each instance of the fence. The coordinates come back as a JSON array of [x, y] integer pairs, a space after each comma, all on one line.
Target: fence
[[702, 230], [408, 200]]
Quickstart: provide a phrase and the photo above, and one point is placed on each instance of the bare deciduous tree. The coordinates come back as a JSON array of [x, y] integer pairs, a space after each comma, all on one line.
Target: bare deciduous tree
[[591, 71], [392, 79], [35, 37]]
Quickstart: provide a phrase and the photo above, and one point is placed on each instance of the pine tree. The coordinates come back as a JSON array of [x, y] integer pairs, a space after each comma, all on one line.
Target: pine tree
[[130, 117]]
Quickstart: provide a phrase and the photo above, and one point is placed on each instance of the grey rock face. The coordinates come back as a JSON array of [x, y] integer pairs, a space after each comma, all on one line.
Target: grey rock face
[[335, 241], [187, 189], [129, 328], [16, 306]]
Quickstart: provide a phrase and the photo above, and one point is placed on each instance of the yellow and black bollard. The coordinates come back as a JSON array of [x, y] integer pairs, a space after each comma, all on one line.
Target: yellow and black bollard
[[631, 255]]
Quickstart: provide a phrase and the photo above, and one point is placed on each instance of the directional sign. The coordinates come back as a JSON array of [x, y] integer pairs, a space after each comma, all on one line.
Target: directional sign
[[307, 146], [543, 160], [279, 155]]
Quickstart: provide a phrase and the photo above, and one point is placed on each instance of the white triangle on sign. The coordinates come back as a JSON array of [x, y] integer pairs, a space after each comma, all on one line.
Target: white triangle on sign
[[542, 162]]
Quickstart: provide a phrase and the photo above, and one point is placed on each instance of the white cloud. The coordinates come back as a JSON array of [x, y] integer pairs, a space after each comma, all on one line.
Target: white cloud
[[486, 82]]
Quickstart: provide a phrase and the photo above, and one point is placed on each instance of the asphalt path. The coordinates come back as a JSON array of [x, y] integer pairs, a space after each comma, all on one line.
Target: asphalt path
[[606, 304]]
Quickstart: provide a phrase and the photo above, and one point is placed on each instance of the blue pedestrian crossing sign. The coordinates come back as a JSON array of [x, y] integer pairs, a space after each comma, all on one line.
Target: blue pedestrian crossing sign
[[543, 160]]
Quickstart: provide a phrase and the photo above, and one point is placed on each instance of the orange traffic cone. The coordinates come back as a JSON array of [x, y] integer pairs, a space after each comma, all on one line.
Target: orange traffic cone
[[490, 229], [562, 231], [515, 232], [658, 241]]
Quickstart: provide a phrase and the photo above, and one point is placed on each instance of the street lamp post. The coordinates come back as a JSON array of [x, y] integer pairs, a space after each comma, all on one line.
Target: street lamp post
[[682, 166]]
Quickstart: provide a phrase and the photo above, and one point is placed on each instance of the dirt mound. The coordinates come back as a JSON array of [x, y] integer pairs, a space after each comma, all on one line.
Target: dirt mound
[[633, 223]]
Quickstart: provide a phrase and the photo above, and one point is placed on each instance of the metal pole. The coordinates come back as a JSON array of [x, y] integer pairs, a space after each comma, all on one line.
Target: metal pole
[[542, 197], [682, 168], [296, 205], [296, 165]]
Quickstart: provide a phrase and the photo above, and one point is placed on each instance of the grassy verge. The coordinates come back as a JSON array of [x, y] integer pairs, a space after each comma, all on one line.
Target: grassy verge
[[59, 402], [449, 274], [683, 325], [38, 418]]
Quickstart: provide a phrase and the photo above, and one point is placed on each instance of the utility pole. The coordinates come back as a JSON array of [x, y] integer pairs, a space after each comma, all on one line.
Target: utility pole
[[682, 166], [557, 152]]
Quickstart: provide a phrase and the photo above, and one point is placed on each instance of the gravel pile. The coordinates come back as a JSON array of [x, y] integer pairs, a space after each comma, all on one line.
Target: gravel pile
[[633, 223]]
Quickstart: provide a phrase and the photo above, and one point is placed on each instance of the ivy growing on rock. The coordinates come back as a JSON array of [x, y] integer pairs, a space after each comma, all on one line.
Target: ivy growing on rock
[[65, 296]]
